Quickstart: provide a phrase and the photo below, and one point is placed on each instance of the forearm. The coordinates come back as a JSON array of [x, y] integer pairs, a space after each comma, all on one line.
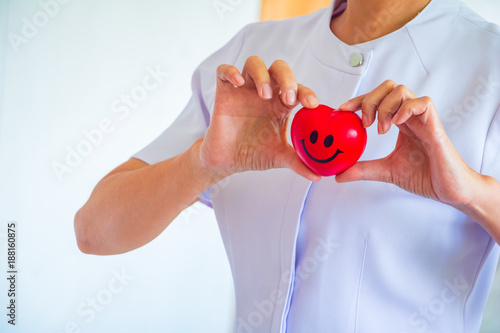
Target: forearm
[[130, 208], [484, 206]]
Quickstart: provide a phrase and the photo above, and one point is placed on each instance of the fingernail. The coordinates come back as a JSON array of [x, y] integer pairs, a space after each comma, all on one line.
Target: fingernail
[[239, 79], [364, 120], [291, 97], [312, 101], [379, 128], [266, 91]]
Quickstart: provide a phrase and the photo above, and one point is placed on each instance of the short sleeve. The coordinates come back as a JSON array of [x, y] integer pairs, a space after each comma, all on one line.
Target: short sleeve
[[193, 121], [491, 158]]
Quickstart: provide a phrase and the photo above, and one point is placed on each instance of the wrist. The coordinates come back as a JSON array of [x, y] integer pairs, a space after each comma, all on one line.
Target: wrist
[[209, 174], [483, 192]]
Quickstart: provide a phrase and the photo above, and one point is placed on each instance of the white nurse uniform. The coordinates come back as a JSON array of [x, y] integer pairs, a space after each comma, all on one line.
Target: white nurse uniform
[[362, 256]]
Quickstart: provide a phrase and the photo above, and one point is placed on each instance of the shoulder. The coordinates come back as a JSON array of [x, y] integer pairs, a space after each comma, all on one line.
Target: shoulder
[[269, 40], [292, 26], [273, 40], [458, 44], [478, 38], [456, 35], [478, 25]]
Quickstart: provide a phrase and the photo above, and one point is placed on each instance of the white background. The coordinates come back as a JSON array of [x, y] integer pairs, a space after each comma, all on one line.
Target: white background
[[64, 80]]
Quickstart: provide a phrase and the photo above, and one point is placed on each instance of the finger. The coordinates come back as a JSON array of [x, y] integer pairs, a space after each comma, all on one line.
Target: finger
[[375, 170], [291, 160], [307, 97], [419, 116], [390, 105], [414, 107], [354, 104], [255, 69], [227, 74], [369, 103], [285, 80]]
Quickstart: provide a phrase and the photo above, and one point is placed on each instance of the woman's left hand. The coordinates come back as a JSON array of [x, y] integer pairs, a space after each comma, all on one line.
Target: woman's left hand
[[424, 161]]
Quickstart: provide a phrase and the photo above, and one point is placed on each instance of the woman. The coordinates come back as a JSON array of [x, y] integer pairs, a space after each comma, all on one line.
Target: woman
[[412, 251]]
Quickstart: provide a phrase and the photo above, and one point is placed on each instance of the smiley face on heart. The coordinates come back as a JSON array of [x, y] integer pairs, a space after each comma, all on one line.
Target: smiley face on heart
[[328, 141]]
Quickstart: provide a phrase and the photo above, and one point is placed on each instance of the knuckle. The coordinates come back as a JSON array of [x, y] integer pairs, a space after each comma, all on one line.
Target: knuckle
[[221, 68], [304, 90], [368, 105], [279, 63], [427, 100], [226, 69], [261, 78], [406, 108], [253, 59], [389, 83], [281, 70], [400, 89]]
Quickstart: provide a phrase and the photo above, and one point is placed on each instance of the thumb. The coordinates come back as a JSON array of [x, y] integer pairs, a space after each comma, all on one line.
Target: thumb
[[375, 170]]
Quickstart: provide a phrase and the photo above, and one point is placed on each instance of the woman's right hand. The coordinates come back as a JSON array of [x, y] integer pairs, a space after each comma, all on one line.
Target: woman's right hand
[[248, 126]]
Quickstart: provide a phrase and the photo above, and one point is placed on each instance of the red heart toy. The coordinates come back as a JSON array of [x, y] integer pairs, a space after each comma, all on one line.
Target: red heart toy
[[328, 141]]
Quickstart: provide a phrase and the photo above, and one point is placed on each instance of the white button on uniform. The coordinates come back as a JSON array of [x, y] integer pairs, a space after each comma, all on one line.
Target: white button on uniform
[[356, 60]]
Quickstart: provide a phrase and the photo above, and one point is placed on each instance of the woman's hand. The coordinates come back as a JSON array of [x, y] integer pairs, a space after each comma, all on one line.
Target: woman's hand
[[248, 126], [424, 161]]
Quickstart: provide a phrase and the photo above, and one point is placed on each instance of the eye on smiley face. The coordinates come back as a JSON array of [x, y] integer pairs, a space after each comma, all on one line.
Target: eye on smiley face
[[328, 141]]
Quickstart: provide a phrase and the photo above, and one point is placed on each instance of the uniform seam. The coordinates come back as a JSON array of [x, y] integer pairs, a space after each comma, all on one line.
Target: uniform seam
[[333, 67], [497, 113], [476, 275], [360, 282], [416, 50], [283, 223]]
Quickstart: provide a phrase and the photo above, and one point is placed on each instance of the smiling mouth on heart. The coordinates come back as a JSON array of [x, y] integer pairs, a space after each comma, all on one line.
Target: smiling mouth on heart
[[331, 158]]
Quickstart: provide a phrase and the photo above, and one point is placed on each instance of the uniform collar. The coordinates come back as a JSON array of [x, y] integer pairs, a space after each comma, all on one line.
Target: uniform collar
[[334, 53]]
